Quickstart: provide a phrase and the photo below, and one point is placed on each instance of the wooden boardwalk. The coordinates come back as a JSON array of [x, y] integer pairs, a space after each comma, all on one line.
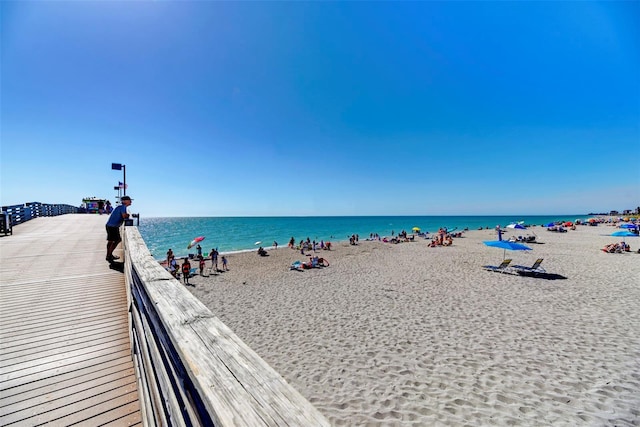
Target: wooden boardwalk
[[65, 355]]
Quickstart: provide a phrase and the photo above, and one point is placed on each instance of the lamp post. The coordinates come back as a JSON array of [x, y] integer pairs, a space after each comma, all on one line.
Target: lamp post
[[119, 166]]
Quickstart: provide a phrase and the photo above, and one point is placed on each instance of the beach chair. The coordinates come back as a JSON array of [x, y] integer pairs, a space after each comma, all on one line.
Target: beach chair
[[500, 268], [535, 268]]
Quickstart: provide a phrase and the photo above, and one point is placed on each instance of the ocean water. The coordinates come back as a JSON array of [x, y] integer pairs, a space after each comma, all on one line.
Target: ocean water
[[233, 234]]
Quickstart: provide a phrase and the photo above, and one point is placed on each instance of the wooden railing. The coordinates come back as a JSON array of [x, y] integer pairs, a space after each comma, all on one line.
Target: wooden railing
[[22, 213], [192, 369]]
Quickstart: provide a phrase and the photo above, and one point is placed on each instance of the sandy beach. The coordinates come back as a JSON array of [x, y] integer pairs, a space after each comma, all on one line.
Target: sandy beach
[[406, 334]]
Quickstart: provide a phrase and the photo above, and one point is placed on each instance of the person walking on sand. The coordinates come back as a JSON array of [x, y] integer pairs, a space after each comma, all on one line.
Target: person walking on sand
[[116, 219], [186, 269], [224, 263], [199, 250], [214, 260]]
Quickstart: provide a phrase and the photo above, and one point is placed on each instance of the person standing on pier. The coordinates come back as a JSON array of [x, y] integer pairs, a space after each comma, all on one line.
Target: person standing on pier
[[116, 219]]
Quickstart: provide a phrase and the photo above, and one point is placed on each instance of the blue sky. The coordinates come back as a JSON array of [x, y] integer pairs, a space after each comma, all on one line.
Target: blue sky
[[323, 108]]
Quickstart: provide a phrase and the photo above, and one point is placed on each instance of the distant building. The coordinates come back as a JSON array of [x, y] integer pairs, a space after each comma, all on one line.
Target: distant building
[[614, 213]]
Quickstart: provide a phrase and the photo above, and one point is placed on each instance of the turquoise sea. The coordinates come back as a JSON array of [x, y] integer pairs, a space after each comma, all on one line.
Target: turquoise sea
[[232, 234]]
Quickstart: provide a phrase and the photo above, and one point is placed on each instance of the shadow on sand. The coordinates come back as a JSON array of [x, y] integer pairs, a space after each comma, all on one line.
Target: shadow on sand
[[547, 276]]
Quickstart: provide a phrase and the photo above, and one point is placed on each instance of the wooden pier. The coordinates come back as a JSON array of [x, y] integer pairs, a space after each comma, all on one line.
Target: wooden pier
[[65, 353], [84, 343]]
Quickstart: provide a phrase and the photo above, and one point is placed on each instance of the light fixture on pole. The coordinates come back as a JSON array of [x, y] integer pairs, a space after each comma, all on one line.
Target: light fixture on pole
[[117, 167]]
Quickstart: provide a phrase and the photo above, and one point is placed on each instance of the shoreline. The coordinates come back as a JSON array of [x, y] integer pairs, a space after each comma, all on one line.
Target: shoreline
[[413, 335], [237, 236]]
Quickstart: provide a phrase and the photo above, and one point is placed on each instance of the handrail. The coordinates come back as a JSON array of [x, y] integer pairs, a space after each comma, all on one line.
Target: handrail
[[192, 369], [30, 210]]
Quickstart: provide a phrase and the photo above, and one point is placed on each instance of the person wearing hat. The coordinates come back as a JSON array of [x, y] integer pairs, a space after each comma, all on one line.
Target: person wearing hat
[[116, 219]]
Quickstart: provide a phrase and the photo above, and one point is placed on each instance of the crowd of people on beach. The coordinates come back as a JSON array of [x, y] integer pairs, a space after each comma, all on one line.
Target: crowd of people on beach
[[185, 271], [442, 238], [309, 245]]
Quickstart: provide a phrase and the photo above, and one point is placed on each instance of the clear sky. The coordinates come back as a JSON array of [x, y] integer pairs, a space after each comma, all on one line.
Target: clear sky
[[323, 108]]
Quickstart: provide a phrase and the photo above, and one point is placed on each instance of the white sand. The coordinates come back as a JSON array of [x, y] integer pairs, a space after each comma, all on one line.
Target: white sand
[[411, 335]]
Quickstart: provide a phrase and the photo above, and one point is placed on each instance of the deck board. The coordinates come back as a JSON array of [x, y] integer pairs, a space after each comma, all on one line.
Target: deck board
[[65, 356]]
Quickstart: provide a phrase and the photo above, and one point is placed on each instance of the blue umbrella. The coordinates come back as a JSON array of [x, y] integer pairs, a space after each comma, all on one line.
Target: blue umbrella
[[517, 226], [629, 226], [505, 244], [623, 234], [551, 224]]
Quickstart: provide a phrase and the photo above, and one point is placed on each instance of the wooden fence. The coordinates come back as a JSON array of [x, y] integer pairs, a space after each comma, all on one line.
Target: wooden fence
[[192, 369]]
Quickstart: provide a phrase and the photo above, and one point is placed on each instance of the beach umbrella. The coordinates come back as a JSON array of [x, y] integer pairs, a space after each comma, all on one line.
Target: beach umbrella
[[506, 245], [195, 241], [634, 226], [517, 226], [416, 229], [551, 224], [623, 234]]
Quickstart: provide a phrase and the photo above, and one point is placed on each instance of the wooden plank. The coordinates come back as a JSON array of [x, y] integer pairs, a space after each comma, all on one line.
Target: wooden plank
[[97, 315], [9, 382], [63, 312], [133, 419], [87, 308], [29, 305], [57, 360], [63, 349], [103, 397], [61, 332], [62, 390], [76, 375], [113, 417], [64, 336]]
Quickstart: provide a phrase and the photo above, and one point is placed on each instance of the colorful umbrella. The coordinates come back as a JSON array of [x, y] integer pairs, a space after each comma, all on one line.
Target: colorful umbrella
[[416, 228], [195, 242]]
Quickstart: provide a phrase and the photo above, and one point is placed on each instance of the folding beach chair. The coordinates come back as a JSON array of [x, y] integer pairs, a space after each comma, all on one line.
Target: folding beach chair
[[535, 268], [500, 268]]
